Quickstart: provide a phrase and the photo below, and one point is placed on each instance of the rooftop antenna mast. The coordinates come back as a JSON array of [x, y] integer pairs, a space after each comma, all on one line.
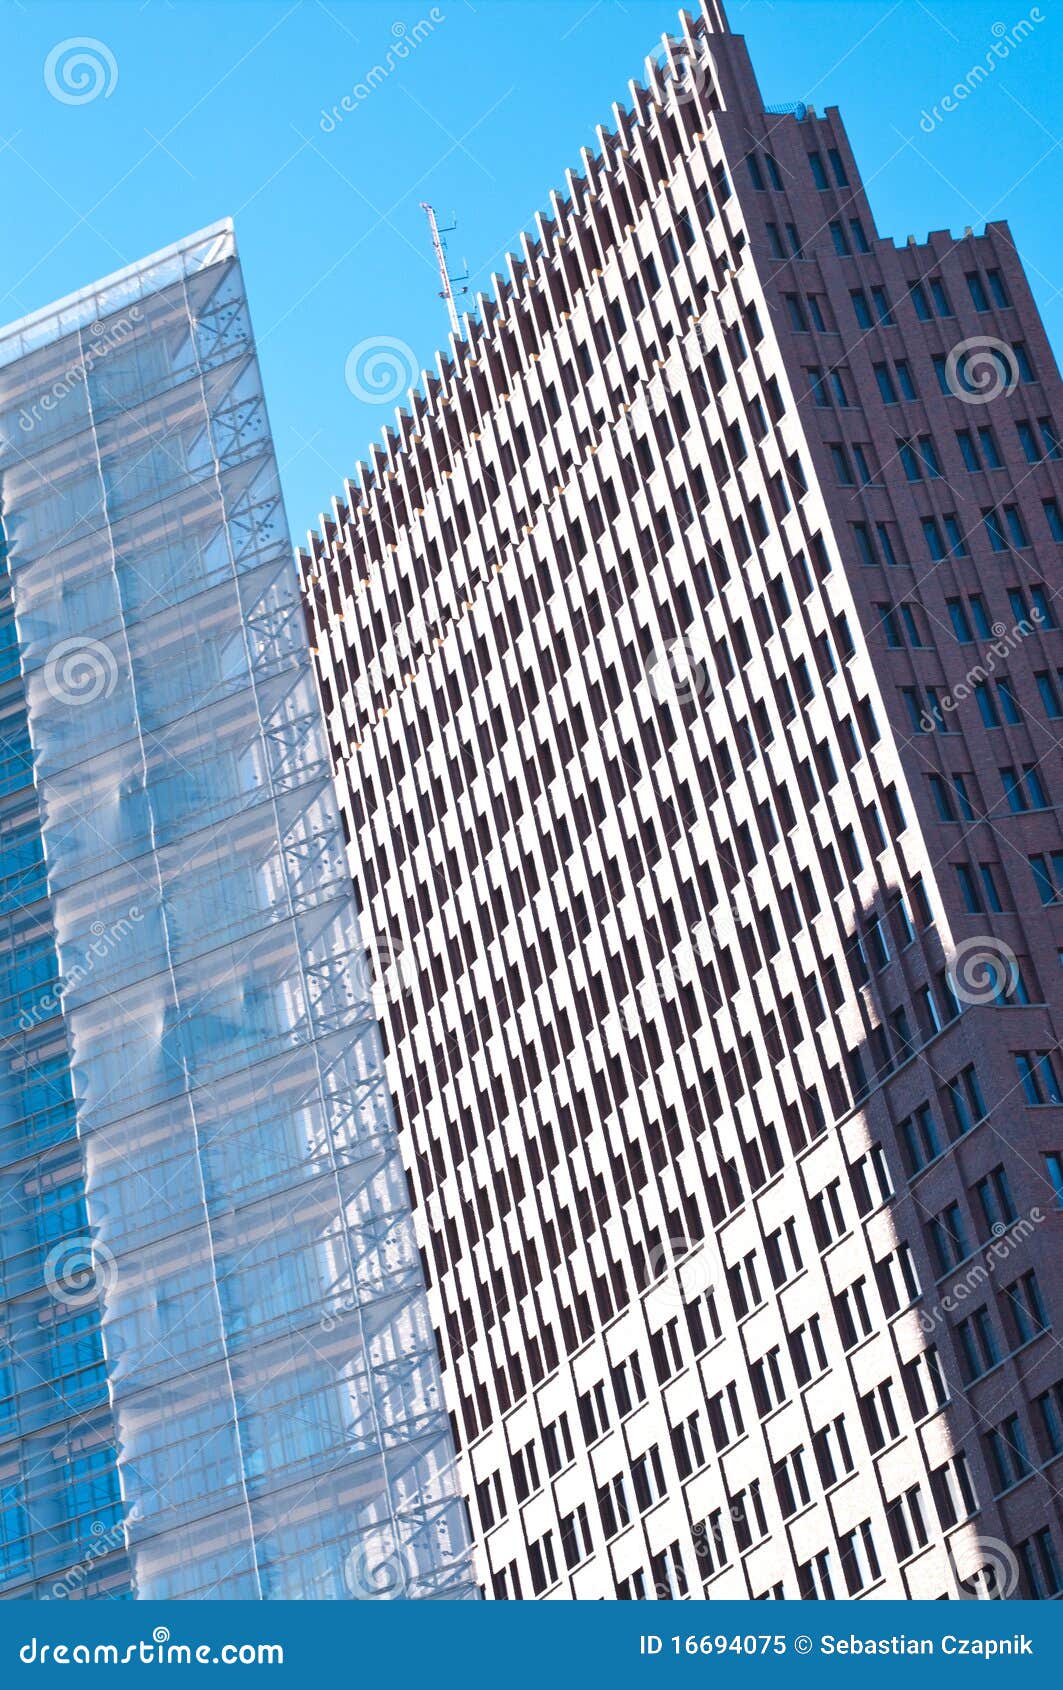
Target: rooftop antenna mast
[[439, 247]]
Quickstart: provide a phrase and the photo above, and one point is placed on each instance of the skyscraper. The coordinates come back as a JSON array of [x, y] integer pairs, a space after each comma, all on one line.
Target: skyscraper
[[691, 661], [219, 1375]]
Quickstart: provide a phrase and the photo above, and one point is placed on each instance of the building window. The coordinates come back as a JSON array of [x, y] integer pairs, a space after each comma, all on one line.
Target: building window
[[1025, 1308], [647, 1477], [965, 1098], [814, 1578], [1048, 876], [542, 1562], [940, 297], [747, 1513], [920, 1138], [1054, 518], [1038, 610], [977, 1343], [860, 1565], [834, 1457], [1048, 686], [1049, 1407], [948, 1238], [1037, 1076], [838, 167], [976, 287], [907, 1524], [1022, 362], [791, 1482], [576, 1539], [1023, 790], [1040, 1566], [953, 1492], [995, 1202], [668, 1574], [998, 289], [1007, 1455]]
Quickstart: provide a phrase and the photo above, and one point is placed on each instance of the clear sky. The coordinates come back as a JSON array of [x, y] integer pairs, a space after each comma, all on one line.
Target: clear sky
[[205, 110]]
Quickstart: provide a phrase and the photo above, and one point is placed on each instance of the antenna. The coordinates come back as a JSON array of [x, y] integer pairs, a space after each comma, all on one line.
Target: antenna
[[439, 247]]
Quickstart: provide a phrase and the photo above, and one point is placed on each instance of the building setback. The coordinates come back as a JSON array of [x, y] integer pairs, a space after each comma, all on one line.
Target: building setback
[[691, 658], [219, 1372]]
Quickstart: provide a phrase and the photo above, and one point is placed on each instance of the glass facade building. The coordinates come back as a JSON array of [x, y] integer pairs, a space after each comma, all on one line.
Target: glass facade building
[[218, 1375]]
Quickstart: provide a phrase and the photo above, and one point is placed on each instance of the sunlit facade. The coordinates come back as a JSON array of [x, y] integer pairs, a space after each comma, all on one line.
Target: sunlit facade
[[692, 659], [219, 1377]]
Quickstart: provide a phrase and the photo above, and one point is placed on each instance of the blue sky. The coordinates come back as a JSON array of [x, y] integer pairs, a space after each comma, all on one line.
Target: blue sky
[[215, 109]]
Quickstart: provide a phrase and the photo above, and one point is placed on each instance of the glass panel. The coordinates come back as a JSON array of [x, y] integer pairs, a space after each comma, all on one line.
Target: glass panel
[[195, 1064]]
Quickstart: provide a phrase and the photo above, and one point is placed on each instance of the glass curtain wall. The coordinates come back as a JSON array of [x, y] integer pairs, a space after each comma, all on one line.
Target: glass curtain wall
[[258, 1367]]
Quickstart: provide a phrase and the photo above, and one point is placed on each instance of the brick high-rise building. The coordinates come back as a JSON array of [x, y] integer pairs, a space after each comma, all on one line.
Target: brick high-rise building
[[692, 662]]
